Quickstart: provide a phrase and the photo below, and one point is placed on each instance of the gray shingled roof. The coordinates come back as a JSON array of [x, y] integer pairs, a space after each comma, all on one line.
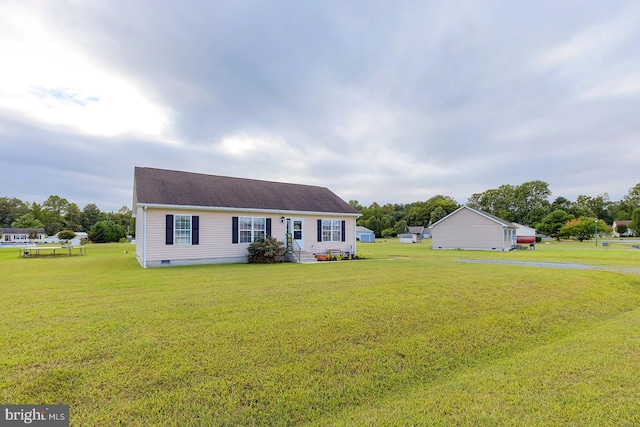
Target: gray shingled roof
[[167, 187], [21, 230]]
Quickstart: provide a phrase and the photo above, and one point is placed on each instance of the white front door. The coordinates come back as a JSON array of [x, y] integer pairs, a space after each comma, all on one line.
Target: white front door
[[295, 227]]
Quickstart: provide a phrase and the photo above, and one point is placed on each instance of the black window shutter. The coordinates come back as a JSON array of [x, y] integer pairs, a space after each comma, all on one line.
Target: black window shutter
[[195, 230], [319, 230], [169, 230], [234, 229], [268, 227], [343, 227]]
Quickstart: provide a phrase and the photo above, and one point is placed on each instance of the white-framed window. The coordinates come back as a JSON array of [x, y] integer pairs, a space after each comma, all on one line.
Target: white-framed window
[[251, 228], [182, 229], [331, 230]]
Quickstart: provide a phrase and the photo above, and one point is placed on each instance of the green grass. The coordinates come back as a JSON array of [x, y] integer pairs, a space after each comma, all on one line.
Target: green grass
[[407, 337]]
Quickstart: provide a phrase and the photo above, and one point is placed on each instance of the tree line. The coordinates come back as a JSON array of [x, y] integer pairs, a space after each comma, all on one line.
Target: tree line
[[528, 204], [57, 213]]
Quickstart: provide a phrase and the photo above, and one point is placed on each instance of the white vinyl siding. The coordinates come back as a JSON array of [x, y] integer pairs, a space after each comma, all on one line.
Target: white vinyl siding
[[466, 229], [215, 236]]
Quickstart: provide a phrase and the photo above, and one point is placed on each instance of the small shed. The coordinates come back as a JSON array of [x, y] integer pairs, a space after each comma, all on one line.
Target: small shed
[[406, 238], [364, 235], [418, 233], [468, 228]]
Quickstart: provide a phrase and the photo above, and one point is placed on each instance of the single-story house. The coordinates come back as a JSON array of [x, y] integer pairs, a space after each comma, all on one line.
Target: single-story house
[[468, 228], [418, 233], [364, 235], [185, 218], [21, 235], [624, 224]]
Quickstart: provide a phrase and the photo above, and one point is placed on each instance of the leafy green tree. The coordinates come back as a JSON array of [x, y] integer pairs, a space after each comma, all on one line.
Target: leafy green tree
[[598, 206], [421, 213], [553, 223], [123, 217], [531, 201], [388, 221], [561, 203], [374, 224], [105, 232], [66, 235], [498, 201], [56, 205], [356, 205], [632, 199], [33, 235], [53, 211], [10, 210], [27, 221], [400, 227], [389, 232], [621, 229], [634, 225], [582, 228], [526, 203], [91, 214], [36, 210], [437, 214], [73, 217]]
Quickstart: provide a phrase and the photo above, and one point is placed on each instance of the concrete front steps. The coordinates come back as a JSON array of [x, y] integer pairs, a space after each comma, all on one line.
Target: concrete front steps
[[305, 257]]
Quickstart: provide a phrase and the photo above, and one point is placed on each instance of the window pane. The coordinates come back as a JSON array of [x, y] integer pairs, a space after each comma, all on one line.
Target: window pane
[[182, 229], [259, 223], [245, 223], [251, 229], [245, 236]]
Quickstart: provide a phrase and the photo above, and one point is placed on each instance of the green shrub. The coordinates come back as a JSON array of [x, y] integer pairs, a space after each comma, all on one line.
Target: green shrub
[[105, 232], [266, 251], [66, 235]]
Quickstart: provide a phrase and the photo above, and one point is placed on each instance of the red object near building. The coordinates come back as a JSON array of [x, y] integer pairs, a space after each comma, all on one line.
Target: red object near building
[[526, 239]]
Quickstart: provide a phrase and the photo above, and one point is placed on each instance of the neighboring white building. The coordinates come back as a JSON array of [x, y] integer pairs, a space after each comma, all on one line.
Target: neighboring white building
[[21, 235], [17, 236], [468, 228], [524, 230], [406, 238], [623, 223]]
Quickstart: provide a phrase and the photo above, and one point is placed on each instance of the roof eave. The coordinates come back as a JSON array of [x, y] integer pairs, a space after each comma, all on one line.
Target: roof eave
[[248, 210]]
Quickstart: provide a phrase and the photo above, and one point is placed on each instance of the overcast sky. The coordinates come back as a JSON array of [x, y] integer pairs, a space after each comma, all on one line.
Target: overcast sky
[[387, 101]]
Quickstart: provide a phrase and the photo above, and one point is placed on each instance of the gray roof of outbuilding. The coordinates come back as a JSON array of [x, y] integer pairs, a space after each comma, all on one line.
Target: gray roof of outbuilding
[[167, 187], [21, 230], [479, 212]]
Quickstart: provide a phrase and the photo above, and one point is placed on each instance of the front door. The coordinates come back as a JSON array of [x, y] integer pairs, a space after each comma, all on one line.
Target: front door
[[294, 226]]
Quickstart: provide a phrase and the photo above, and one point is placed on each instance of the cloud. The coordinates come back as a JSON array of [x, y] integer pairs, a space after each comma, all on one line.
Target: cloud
[[51, 79], [376, 102]]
